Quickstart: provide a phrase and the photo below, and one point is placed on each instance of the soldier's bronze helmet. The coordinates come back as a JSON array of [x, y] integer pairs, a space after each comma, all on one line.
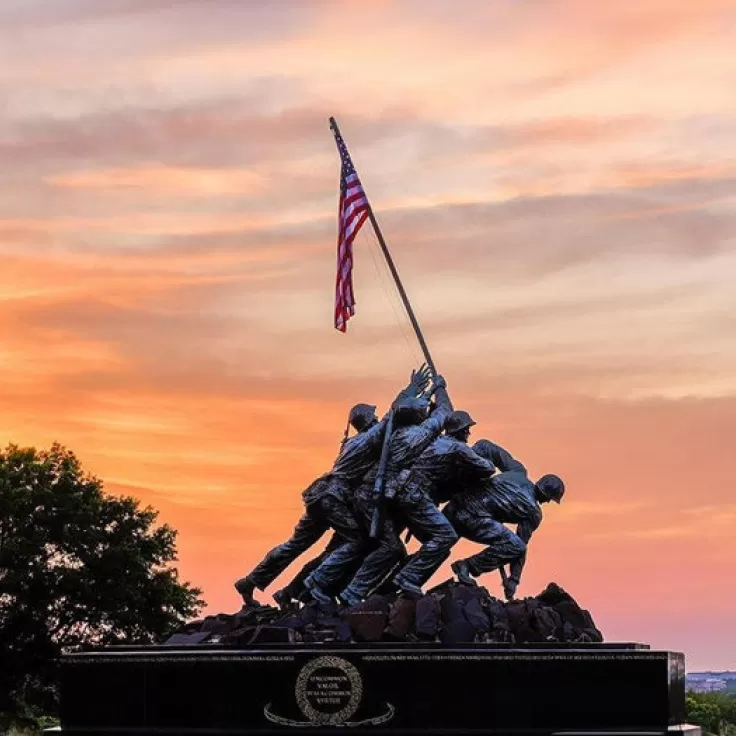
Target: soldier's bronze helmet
[[458, 420], [362, 416], [410, 410], [551, 487]]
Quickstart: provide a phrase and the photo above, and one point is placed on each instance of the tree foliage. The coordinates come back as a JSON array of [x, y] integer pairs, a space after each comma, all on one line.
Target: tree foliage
[[78, 567], [714, 712]]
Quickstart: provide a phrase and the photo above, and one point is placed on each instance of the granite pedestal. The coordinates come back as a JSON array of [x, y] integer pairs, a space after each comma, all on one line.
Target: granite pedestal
[[535, 689]]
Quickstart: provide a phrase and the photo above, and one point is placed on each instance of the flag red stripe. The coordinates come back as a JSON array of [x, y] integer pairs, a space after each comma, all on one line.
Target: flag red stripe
[[352, 213]]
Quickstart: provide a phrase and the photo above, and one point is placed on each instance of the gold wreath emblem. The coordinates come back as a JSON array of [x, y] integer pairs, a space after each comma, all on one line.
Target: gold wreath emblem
[[329, 718]]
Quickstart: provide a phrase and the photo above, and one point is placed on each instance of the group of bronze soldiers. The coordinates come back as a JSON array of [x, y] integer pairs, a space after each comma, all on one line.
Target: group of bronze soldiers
[[393, 476]]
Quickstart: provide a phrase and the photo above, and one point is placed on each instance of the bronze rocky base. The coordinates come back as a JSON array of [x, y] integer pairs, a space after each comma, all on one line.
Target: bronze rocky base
[[450, 614]]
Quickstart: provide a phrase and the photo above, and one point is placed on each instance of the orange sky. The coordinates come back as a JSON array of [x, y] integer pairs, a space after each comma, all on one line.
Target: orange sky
[[556, 180]]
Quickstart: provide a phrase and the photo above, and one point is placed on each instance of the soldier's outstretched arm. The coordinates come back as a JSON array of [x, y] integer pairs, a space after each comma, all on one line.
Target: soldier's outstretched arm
[[473, 466], [443, 405], [500, 457], [418, 384], [433, 425]]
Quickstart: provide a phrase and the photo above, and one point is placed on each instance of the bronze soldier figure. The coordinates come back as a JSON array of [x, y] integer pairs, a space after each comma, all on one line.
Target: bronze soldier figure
[[327, 500], [479, 514], [445, 467], [414, 431]]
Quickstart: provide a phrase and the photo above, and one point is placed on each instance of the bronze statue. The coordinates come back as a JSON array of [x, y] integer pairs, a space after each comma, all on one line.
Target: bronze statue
[[423, 469], [395, 473]]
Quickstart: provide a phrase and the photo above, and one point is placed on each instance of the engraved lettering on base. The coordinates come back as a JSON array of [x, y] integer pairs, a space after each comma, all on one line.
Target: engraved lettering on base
[[329, 690]]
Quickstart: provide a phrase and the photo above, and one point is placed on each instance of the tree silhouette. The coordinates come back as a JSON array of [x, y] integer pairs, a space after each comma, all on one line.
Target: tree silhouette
[[77, 567]]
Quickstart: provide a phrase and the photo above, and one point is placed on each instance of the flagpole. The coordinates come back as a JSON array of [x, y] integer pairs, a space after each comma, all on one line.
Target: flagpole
[[394, 272]]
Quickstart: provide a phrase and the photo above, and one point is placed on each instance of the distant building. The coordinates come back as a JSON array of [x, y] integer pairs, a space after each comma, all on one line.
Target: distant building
[[708, 682]]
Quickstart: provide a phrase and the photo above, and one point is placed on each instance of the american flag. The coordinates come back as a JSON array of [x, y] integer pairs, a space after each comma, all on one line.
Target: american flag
[[353, 212]]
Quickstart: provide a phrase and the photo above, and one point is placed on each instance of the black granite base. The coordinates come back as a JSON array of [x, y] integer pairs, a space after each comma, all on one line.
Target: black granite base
[[404, 688]]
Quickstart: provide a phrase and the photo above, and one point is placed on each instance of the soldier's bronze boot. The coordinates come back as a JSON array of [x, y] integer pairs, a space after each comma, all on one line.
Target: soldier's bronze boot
[[462, 570], [246, 587]]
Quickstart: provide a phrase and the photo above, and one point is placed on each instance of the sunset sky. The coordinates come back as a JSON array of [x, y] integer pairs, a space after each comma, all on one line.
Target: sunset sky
[[556, 180]]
